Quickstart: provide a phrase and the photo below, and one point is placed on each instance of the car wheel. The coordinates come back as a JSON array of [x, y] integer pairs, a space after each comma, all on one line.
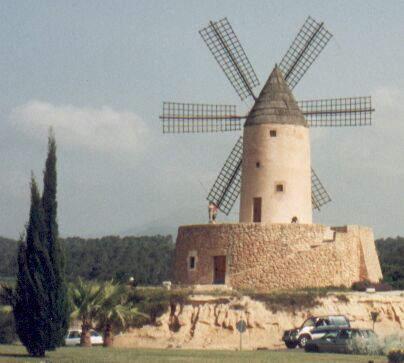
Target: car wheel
[[303, 340], [291, 345]]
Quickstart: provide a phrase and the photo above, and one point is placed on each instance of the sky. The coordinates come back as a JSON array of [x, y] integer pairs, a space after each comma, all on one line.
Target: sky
[[98, 72]]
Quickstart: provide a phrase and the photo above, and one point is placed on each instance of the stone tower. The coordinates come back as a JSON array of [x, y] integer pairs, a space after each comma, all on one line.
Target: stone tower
[[276, 168]]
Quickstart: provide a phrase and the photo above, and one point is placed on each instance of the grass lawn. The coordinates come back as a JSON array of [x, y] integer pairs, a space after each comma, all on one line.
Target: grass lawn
[[15, 353]]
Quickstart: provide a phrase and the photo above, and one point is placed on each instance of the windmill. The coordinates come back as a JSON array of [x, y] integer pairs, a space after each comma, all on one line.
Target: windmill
[[276, 157]]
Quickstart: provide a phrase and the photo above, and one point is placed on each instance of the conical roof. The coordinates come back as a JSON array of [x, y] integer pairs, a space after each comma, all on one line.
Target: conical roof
[[275, 104]]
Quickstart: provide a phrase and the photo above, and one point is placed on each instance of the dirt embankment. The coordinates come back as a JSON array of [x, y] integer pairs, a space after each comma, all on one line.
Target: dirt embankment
[[210, 322]]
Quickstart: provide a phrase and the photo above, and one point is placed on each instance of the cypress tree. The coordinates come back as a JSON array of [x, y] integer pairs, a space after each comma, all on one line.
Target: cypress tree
[[59, 309], [34, 269]]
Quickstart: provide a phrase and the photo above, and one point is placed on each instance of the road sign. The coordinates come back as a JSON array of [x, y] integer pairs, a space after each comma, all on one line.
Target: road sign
[[241, 326]]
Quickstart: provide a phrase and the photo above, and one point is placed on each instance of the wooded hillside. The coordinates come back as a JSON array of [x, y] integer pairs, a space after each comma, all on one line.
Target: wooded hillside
[[391, 254], [145, 258]]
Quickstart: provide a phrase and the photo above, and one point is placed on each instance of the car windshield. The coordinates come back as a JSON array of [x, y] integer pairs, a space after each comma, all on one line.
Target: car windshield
[[308, 322]]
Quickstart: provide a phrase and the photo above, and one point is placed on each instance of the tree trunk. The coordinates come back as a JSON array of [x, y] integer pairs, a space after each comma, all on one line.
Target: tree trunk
[[108, 336], [85, 339]]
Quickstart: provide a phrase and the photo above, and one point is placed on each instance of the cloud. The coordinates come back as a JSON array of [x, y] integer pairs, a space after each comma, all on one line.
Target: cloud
[[98, 129]]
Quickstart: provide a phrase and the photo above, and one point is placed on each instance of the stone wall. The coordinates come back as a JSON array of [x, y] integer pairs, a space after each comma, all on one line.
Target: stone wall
[[276, 255]]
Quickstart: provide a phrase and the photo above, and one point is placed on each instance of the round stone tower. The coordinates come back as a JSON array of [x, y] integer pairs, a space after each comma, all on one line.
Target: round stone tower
[[276, 168]]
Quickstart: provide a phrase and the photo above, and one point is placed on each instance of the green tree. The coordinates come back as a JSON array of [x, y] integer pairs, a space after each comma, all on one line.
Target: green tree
[[59, 309], [34, 270], [115, 312], [7, 326], [87, 298]]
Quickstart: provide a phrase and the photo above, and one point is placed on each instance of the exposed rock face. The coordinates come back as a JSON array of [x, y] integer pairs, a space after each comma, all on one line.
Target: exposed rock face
[[210, 322]]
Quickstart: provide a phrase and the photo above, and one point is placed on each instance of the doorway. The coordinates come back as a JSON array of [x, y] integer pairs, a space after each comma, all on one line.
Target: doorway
[[257, 210], [219, 269]]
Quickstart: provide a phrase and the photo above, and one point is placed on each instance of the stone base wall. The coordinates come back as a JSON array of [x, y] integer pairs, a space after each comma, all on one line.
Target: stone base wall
[[276, 255]]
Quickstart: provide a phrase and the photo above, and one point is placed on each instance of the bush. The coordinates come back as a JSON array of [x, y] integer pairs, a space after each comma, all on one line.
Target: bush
[[376, 345], [156, 301], [396, 356], [371, 346], [288, 300], [342, 298], [7, 328], [393, 343], [378, 286]]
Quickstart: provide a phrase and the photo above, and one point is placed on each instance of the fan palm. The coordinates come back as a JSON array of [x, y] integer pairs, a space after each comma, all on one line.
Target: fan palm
[[87, 299], [115, 311]]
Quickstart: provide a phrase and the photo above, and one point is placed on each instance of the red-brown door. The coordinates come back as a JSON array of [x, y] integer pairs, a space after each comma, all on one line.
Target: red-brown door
[[257, 210], [219, 263]]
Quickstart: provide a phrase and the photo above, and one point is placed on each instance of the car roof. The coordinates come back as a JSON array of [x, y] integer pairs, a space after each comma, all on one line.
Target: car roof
[[329, 316], [327, 327]]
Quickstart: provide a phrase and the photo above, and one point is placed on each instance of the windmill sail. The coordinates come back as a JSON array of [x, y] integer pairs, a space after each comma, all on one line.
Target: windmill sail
[[230, 55], [226, 188], [353, 111], [308, 44], [319, 195], [195, 117]]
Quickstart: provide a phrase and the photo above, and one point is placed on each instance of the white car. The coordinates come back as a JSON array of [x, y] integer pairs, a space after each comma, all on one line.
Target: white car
[[74, 335]]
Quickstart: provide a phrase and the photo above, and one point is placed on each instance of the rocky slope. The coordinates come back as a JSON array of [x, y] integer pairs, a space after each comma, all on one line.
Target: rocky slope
[[210, 321]]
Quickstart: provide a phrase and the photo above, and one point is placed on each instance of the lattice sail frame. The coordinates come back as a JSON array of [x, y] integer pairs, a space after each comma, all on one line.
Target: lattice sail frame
[[338, 112], [319, 195], [226, 188], [231, 57], [228, 52], [308, 44], [196, 117]]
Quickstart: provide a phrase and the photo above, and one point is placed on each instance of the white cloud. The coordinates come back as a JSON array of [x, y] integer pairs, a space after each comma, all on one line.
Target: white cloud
[[97, 129]]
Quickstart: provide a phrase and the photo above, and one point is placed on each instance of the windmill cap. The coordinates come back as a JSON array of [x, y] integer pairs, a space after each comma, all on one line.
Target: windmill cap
[[275, 104]]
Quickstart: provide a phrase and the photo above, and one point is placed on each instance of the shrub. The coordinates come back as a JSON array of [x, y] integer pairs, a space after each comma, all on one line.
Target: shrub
[[376, 345], [370, 346], [156, 301], [378, 286], [396, 356], [288, 300], [393, 343], [7, 328], [342, 298]]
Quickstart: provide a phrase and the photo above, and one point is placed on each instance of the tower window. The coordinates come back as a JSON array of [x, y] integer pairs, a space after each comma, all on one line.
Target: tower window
[[279, 188], [257, 164], [192, 262], [272, 133]]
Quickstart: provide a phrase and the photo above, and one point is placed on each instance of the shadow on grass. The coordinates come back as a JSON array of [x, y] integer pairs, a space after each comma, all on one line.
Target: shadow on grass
[[17, 355]]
